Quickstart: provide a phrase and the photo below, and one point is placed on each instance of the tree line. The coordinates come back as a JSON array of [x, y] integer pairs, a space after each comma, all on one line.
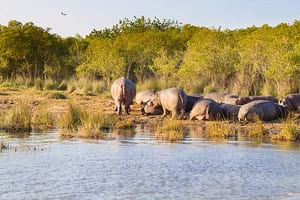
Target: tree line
[[249, 61]]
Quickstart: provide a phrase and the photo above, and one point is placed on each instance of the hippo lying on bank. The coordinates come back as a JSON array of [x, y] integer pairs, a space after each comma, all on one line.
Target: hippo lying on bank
[[172, 99], [267, 98], [230, 111], [143, 96], [264, 110], [291, 101], [225, 98], [191, 100], [206, 109], [151, 110], [123, 91]]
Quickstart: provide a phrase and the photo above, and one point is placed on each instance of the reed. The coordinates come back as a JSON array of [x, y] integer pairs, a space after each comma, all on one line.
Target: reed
[[171, 130]]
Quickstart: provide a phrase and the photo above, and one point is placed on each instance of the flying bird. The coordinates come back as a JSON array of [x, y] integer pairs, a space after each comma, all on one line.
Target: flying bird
[[64, 14]]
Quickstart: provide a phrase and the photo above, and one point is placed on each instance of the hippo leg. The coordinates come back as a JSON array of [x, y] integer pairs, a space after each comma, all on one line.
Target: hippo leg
[[164, 112], [181, 113], [174, 114], [119, 107], [127, 108]]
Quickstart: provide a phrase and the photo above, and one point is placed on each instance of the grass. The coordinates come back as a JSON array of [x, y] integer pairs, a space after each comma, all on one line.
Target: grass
[[171, 130], [17, 119], [22, 118], [124, 124], [57, 95], [288, 132], [81, 123], [220, 129], [42, 119], [258, 130]]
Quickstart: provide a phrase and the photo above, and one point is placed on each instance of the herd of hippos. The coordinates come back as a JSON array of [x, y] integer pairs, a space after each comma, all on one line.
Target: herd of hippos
[[212, 106]]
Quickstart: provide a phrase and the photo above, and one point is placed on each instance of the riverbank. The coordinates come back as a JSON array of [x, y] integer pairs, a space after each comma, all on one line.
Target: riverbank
[[57, 104]]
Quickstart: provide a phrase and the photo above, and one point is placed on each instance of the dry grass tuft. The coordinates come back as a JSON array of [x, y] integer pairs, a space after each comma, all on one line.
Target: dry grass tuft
[[171, 130]]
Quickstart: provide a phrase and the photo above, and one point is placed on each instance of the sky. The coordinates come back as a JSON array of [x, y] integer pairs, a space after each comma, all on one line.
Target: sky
[[85, 15]]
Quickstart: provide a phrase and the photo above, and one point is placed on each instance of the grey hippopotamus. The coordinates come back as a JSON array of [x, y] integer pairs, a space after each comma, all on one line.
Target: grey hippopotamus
[[225, 98], [206, 109], [191, 100], [172, 99], [123, 92], [143, 96], [151, 110], [291, 101], [216, 96], [267, 98], [264, 110], [230, 111]]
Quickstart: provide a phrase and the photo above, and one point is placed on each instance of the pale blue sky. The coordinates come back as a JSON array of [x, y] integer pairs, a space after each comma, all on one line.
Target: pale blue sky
[[85, 15]]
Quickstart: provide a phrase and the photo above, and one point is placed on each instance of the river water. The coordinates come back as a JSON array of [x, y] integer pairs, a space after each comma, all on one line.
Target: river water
[[136, 166]]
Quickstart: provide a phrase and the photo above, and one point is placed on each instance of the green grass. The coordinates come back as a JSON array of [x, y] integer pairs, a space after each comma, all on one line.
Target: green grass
[[17, 119], [220, 130], [81, 123], [42, 119], [288, 132], [171, 130], [258, 130]]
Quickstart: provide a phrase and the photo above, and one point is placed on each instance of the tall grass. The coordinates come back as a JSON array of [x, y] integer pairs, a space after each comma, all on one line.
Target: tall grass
[[79, 122], [288, 132], [220, 129], [17, 119], [258, 130], [22, 118], [171, 130]]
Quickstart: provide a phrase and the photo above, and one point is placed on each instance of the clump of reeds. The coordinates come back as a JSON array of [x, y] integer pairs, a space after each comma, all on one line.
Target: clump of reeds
[[288, 131], [79, 122], [171, 130], [42, 119], [22, 118], [258, 130], [220, 129], [124, 124], [17, 119]]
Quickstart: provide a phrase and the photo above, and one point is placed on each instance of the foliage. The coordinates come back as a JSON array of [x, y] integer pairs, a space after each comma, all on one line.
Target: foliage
[[253, 61]]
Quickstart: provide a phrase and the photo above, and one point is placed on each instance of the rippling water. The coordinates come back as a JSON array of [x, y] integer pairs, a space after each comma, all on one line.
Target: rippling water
[[136, 166]]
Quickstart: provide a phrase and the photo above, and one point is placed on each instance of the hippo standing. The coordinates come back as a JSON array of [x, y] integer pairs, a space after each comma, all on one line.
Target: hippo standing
[[123, 92], [264, 110], [230, 111], [172, 99], [191, 100], [206, 109], [291, 101]]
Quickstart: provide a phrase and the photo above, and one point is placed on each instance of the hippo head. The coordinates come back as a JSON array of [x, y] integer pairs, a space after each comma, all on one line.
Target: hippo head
[[286, 102], [282, 111], [242, 100], [154, 101]]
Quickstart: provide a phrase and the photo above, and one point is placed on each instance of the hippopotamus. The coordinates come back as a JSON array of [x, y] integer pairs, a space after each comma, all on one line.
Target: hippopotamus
[[216, 96], [191, 100], [206, 109], [267, 98], [225, 98], [230, 111], [143, 96], [151, 110], [291, 101], [172, 99], [263, 109], [123, 92]]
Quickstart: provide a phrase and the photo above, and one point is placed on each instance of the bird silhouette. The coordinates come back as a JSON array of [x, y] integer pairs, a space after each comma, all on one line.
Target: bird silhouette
[[64, 14]]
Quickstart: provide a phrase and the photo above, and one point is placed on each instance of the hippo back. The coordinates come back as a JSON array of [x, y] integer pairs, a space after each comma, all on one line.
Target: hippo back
[[191, 100], [143, 96]]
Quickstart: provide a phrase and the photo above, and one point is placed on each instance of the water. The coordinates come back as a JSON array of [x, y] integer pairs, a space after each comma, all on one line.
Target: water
[[136, 166]]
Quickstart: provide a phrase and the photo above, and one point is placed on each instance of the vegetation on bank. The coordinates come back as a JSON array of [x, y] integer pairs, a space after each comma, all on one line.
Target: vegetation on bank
[[171, 130], [251, 61], [22, 118]]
